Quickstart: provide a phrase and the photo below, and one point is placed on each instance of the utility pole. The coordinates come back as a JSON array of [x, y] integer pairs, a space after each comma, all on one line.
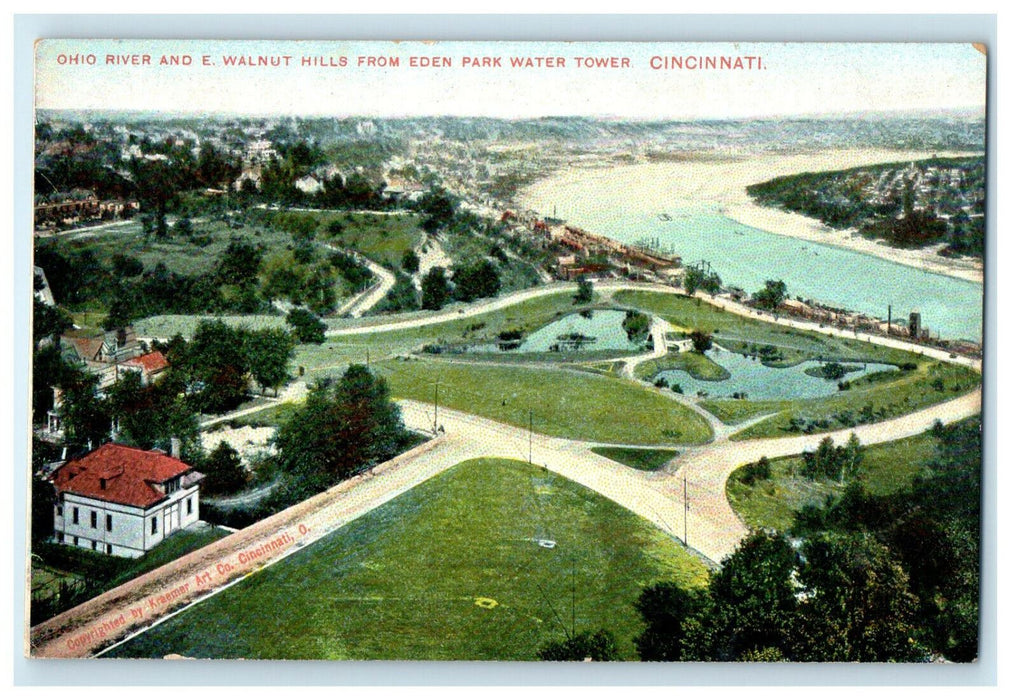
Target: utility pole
[[530, 455], [434, 428], [685, 510]]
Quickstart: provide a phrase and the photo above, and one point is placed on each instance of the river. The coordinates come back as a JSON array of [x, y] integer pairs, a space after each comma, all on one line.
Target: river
[[620, 204]]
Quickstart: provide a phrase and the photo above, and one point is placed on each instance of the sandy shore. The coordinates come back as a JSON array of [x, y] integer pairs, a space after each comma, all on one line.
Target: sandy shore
[[722, 182]]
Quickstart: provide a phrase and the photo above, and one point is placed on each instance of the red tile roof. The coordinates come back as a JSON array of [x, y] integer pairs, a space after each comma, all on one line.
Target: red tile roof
[[119, 474], [152, 362]]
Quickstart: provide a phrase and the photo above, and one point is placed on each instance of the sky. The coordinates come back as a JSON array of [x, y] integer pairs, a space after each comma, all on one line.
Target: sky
[[785, 79]]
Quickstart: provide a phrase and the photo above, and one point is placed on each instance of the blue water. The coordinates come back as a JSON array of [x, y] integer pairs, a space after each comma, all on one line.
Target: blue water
[[760, 382], [603, 326], [745, 257]]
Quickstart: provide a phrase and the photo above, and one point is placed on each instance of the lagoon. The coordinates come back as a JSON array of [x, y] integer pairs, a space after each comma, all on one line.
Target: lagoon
[[762, 383]]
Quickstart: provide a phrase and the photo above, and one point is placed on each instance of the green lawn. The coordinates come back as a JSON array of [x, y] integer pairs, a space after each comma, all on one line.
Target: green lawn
[[772, 503], [565, 404], [697, 365], [644, 460], [332, 356], [168, 325], [383, 238], [872, 398], [740, 334], [448, 570]]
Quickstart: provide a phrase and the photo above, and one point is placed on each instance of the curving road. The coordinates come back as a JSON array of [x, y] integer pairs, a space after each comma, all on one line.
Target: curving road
[[708, 524]]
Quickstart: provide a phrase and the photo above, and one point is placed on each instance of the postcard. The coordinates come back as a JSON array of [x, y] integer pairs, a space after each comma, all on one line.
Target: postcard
[[507, 351]]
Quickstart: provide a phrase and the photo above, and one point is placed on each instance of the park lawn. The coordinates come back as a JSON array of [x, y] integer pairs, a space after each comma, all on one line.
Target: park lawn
[[565, 404], [740, 334], [273, 415], [642, 459], [449, 570], [697, 365], [179, 254], [383, 238], [869, 399], [771, 503], [169, 325], [339, 350]]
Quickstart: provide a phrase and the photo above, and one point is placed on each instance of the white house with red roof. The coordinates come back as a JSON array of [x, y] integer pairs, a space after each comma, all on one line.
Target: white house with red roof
[[124, 501]]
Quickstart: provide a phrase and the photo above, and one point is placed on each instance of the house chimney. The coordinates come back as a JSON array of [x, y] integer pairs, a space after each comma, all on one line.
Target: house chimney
[[175, 447]]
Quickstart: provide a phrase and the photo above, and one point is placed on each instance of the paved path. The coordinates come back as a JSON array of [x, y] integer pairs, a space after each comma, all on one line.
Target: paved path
[[611, 286], [362, 302], [710, 525]]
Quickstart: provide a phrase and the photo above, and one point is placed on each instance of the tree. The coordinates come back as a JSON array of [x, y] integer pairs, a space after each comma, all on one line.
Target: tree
[[224, 472], [475, 281], [344, 427], [435, 289], [48, 321], [269, 352], [584, 291], [636, 325], [217, 366], [410, 262], [696, 278], [773, 293], [672, 615], [753, 598], [857, 604], [306, 326], [239, 263], [86, 415], [149, 416], [702, 341], [598, 645]]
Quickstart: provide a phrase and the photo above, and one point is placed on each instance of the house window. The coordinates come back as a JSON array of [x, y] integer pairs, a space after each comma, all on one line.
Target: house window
[[60, 511], [95, 545], [75, 541], [60, 537], [95, 519], [109, 523], [154, 524], [171, 486], [74, 516], [189, 505], [109, 549]]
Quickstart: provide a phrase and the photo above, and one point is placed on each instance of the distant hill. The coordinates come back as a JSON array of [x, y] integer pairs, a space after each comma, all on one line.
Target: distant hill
[[939, 201]]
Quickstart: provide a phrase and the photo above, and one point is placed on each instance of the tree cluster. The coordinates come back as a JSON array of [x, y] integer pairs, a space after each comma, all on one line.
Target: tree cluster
[[836, 598], [869, 578], [344, 427], [770, 297], [833, 462], [697, 279]]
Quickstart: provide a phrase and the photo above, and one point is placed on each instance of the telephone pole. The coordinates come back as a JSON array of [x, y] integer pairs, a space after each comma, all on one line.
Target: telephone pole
[[685, 510], [434, 427]]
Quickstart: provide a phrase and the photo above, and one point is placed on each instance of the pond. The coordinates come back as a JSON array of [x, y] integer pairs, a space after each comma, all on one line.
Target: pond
[[592, 330], [762, 383]]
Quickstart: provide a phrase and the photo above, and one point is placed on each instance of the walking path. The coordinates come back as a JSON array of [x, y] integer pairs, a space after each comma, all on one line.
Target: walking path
[[708, 524]]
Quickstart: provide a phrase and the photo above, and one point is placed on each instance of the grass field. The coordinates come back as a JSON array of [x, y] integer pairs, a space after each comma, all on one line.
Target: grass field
[[772, 503], [169, 325], [565, 404], [881, 397], [740, 334], [644, 460], [697, 365], [448, 570], [383, 238], [526, 316]]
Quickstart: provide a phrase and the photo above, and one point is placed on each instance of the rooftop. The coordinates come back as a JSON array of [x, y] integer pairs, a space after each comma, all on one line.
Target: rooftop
[[120, 474]]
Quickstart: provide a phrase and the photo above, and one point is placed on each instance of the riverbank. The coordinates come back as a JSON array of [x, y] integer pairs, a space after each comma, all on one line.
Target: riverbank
[[720, 184]]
